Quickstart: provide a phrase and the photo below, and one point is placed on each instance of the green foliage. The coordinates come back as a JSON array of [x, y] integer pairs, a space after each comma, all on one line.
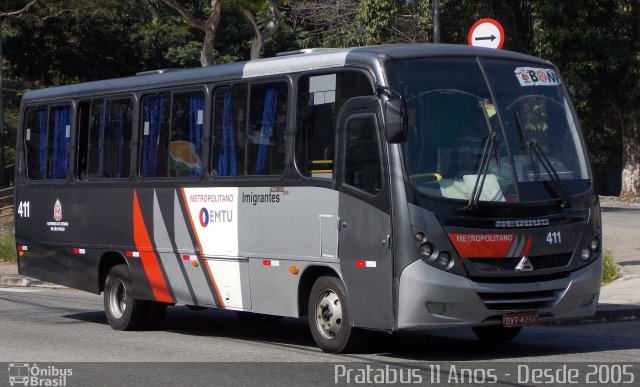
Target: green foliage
[[610, 269], [376, 19], [7, 247]]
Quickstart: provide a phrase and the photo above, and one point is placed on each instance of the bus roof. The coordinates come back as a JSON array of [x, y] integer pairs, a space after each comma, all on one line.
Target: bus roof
[[289, 62]]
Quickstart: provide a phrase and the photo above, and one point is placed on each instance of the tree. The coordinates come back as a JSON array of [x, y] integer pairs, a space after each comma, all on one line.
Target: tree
[[208, 25], [4, 14], [249, 10], [328, 23], [595, 44]]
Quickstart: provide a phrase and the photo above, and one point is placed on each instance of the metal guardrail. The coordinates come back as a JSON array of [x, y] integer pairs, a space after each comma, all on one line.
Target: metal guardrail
[[6, 202]]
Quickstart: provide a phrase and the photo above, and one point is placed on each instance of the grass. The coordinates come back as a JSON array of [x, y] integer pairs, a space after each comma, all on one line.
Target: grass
[[7, 248], [610, 269]]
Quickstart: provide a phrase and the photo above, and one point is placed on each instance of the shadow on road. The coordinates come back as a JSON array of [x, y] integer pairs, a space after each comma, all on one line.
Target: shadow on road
[[439, 345]]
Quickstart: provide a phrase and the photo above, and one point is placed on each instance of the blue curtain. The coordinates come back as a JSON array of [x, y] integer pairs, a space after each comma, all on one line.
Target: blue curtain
[[120, 140], [196, 104], [227, 159], [153, 114], [268, 119], [42, 150], [112, 141], [62, 118]]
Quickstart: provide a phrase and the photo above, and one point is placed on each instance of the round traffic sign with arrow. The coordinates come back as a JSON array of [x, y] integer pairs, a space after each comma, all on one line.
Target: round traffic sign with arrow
[[486, 33]]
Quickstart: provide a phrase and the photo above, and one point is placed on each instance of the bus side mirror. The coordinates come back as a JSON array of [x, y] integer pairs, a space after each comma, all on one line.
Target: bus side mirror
[[395, 121]]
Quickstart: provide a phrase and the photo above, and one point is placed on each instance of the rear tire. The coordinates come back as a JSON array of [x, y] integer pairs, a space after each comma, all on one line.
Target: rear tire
[[496, 333], [123, 312], [329, 317]]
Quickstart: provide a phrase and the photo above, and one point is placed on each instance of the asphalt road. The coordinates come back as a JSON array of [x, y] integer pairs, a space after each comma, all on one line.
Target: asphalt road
[[67, 325]]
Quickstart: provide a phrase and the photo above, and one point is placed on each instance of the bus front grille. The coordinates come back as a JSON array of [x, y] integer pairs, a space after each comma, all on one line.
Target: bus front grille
[[508, 265], [520, 301]]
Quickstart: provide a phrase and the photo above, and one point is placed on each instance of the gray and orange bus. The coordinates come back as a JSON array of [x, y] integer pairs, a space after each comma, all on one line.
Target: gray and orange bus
[[397, 187]]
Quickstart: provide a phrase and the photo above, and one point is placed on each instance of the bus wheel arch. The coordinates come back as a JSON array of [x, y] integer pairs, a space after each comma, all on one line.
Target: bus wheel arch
[[308, 278], [107, 262]]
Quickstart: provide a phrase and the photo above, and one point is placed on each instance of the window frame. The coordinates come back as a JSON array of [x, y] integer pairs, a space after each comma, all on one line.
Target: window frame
[[283, 79], [139, 125], [132, 144], [70, 170], [320, 181]]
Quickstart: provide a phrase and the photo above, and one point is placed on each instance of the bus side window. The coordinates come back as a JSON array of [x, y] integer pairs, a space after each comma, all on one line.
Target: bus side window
[[105, 139], [155, 135], [267, 126], [320, 98], [362, 167], [59, 142], [185, 146], [248, 138], [229, 129], [35, 140]]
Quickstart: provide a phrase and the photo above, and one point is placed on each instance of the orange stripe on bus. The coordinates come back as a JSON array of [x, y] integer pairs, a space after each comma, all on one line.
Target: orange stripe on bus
[[527, 246], [147, 256], [213, 281]]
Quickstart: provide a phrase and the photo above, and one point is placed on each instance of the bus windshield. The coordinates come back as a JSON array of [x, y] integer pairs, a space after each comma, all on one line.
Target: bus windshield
[[506, 124]]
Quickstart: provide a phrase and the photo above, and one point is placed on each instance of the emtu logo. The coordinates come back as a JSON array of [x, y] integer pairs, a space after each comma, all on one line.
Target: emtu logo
[[204, 217]]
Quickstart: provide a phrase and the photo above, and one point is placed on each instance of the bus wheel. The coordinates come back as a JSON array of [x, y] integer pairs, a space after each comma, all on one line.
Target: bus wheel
[[122, 310], [329, 315], [496, 333]]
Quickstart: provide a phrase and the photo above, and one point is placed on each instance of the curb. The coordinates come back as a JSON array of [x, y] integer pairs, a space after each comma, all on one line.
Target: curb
[[623, 313], [25, 282]]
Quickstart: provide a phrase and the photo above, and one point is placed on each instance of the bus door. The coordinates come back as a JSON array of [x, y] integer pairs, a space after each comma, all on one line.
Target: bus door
[[364, 221]]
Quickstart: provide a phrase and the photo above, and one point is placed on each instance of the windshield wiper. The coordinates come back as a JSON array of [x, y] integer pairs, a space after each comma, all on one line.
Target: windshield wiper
[[558, 185], [532, 145], [489, 147]]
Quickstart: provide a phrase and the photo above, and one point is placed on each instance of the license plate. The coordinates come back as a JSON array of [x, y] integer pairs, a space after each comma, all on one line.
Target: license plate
[[517, 319]]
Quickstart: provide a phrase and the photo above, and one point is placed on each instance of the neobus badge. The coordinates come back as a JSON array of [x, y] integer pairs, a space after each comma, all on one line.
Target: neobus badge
[[522, 223]]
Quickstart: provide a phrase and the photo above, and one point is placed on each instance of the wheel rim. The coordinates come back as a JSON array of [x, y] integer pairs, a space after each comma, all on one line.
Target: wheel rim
[[117, 298], [328, 314]]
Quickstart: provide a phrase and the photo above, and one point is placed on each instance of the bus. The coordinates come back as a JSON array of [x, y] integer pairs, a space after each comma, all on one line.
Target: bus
[[399, 187]]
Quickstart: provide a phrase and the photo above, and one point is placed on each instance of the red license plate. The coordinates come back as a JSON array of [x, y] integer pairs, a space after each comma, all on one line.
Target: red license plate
[[517, 319]]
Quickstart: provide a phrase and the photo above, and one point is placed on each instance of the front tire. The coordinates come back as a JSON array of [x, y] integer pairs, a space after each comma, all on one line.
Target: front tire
[[329, 317], [123, 312], [496, 333]]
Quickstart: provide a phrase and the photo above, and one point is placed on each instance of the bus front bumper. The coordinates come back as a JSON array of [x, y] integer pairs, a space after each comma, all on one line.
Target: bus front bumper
[[432, 298]]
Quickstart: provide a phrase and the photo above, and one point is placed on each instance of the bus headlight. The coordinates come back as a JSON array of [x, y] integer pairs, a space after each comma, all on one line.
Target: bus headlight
[[426, 250], [585, 254], [595, 244], [443, 260]]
